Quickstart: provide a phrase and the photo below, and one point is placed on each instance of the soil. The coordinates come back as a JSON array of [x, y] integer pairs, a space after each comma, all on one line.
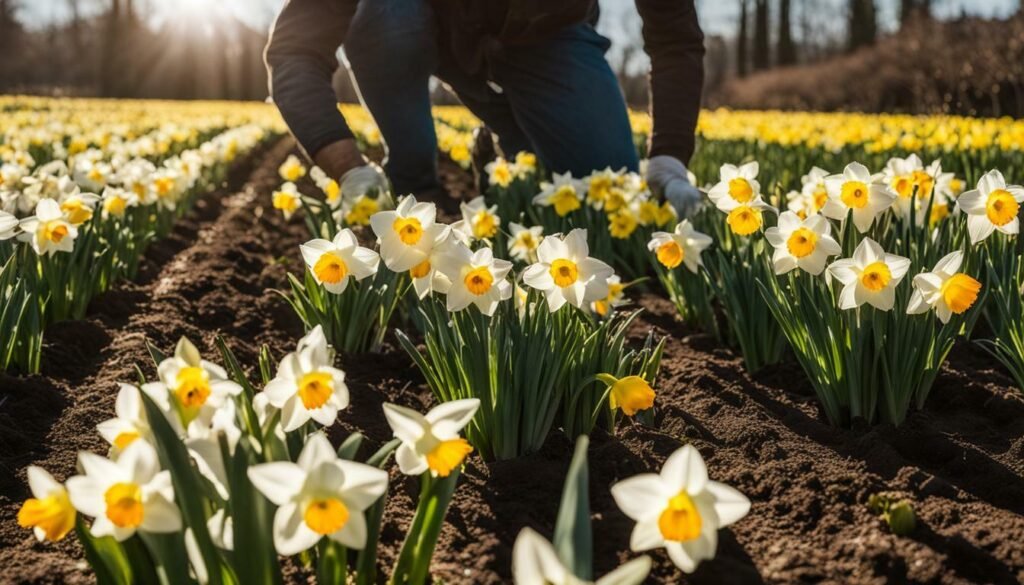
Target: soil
[[960, 461]]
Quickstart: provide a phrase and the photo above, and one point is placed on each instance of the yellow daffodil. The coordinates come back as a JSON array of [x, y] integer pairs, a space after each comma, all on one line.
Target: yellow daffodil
[[630, 394], [48, 512]]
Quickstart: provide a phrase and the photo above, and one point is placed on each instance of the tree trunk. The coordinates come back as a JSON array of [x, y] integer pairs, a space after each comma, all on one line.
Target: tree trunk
[[742, 43], [762, 45], [786, 48], [863, 23]]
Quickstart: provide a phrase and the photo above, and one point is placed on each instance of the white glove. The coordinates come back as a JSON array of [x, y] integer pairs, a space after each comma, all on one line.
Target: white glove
[[667, 177], [368, 179]]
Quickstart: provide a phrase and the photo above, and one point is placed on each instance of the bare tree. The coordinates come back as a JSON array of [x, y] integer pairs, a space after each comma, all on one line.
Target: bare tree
[[786, 49], [863, 24], [742, 42], [762, 43]]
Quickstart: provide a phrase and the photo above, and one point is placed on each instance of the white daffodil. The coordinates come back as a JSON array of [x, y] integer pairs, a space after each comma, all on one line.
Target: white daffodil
[[319, 496], [476, 278], [813, 193], [535, 562], [287, 199], [48, 512], [204, 445], [523, 244], [944, 289], [563, 193], [190, 389], [307, 386], [431, 442], [679, 509], [115, 201], [616, 297], [804, 244], [565, 272], [292, 169], [858, 191], [129, 424], [683, 246], [426, 278], [482, 221], [871, 276], [499, 172], [599, 185], [334, 263], [737, 186], [406, 234], [127, 495], [993, 206], [330, 187], [901, 176], [8, 226], [48, 231]]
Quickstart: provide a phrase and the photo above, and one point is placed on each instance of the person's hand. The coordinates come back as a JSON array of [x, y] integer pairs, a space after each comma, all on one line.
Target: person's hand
[[667, 177], [362, 180]]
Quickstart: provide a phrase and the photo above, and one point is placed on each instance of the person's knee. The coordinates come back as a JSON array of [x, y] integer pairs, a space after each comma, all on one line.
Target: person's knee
[[392, 37]]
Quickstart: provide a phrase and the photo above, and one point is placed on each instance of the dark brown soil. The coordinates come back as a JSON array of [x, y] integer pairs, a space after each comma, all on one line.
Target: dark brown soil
[[960, 461]]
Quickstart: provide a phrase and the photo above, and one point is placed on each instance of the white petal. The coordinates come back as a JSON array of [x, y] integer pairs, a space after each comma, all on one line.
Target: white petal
[[291, 535], [449, 418], [279, 481], [641, 497], [685, 470], [729, 504], [407, 424]]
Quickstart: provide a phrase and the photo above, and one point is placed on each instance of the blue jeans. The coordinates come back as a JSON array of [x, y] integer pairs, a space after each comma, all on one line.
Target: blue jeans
[[559, 97]]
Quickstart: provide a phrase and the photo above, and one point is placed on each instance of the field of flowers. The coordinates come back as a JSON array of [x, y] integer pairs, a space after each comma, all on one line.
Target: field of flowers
[[216, 367]]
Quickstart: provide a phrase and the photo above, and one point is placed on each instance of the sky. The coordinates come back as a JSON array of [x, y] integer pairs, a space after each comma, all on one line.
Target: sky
[[619, 20]]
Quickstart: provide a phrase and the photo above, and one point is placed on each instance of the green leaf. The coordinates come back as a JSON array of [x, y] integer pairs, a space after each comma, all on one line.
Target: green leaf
[[106, 557], [573, 539]]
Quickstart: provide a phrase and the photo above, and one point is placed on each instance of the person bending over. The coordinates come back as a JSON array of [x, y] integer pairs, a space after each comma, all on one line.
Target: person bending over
[[534, 71]]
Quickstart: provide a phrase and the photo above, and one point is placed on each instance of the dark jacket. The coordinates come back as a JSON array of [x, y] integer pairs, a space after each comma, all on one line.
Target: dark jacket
[[301, 57]]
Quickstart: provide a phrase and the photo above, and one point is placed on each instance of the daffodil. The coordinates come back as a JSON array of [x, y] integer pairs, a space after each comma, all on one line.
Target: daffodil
[[287, 199], [292, 169], [406, 234], [525, 164], [813, 191], [115, 201], [615, 298], [307, 385], [361, 210], [599, 186], [622, 224], [482, 221], [944, 289], [204, 445], [871, 276], [535, 562], [431, 442], [48, 512], [48, 231], [679, 509], [804, 244], [333, 263], [737, 187], [993, 206], [319, 496], [858, 191], [130, 423], [900, 174], [330, 187], [565, 272], [8, 226], [683, 246], [190, 388], [476, 278], [78, 207], [630, 394], [524, 241], [499, 172], [126, 495], [564, 193]]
